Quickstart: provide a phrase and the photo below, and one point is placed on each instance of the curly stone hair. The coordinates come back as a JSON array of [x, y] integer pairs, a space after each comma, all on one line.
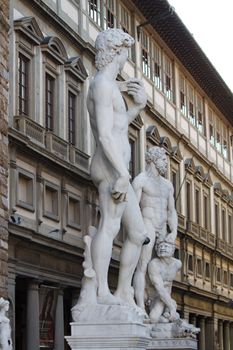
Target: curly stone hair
[[108, 43]]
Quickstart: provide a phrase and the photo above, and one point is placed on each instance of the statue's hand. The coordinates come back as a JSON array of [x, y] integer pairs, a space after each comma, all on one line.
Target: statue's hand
[[136, 89], [120, 189]]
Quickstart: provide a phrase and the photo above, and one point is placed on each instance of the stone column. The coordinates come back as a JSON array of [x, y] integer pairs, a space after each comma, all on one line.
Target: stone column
[[202, 337], [33, 333], [59, 323], [211, 326], [226, 335], [220, 334], [231, 336]]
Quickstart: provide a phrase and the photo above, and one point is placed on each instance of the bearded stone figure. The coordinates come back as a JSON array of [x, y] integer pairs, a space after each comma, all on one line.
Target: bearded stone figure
[[155, 195]]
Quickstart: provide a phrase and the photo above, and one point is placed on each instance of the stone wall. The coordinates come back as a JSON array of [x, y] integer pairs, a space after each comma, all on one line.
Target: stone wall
[[4, 54]]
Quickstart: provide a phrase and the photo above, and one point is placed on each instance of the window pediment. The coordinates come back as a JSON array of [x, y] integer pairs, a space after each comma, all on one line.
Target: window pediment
[[207, 180], [189, 165], [218, 189], [166, 143], [54, 47], [152, 134], [199, 172], [29, 27], [75, 66], [137, 123], [176, 154]]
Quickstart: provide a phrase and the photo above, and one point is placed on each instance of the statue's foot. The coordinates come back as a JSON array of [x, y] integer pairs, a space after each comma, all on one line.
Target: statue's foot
[[109, 299]]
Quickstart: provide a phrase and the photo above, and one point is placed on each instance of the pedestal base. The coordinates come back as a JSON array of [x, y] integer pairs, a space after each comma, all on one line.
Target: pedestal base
[[109, 336], [175, 343]]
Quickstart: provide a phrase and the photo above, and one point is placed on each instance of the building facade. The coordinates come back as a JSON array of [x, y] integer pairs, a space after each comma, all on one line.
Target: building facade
[[52, 200], [4, 79]]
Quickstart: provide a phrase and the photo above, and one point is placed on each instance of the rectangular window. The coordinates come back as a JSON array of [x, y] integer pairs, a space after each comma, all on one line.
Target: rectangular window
[[199, 267], [218, 274], [71, 117], [230, 229], [145, 54], [216, 219], [109, 14], [51, 201], [168, 79], [74, 212], [183, 103], [225, 278], [125, 22], [94, 11], [190, 263], [49, 102], [231, 280], [25, 190], [197, 205], [218, 136], [206, 211], [211, 128], [207, 270], [224, 142], [191, 112], [188, 200], [156, 66], [199, 108], [223, 224], [23, 80]]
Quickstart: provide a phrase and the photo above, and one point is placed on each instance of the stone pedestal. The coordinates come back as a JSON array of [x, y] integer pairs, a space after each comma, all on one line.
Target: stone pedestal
[[175, 343], [167, 336], [109, 336], [110, 327]]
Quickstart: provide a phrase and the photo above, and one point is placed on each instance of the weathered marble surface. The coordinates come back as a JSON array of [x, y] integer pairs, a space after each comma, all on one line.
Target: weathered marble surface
[[5, 328], [155, 195]]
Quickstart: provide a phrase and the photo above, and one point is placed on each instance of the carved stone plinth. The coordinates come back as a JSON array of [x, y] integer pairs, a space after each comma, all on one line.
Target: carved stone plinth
[[175, 343], [109, 336], [111, 327], [179, 335]]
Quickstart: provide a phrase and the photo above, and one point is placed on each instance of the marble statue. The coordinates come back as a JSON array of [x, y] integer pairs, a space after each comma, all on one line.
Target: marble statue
[[109, 167], [155, 194], [5, 328], [162, 271]]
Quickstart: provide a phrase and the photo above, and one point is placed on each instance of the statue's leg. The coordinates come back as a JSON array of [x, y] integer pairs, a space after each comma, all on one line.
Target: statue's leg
[[145, 257], [136, 235], [101, 248], [156, 311]]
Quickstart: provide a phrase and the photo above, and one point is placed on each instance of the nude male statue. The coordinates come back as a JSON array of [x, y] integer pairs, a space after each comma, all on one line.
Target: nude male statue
[[109, 168], [155, 194], [162, 271], [5, 328]]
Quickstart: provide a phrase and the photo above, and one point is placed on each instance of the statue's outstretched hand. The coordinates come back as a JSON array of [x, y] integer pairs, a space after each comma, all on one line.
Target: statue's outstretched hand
[[136, 89], [120, 189]]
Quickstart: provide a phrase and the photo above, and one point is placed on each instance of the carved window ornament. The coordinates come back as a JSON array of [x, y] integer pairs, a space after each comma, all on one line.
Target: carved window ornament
[[218, 189], [199, 173], [152, 135], [189, 165], [166, 144], [75, 66], [207, 181], [29, 27], [137, 123], [225, 195], [176, 154], [55, 49]]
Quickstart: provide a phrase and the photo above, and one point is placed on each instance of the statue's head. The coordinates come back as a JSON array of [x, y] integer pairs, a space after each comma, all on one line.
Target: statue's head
[[157, 156], [164, 248], [4, 304], [109, 43]]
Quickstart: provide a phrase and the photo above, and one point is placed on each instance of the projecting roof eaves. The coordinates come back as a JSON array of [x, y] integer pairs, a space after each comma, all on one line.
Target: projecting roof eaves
[[173, 31]]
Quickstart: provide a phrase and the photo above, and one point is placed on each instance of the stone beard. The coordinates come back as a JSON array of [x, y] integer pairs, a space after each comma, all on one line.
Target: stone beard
[[109, 167]]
